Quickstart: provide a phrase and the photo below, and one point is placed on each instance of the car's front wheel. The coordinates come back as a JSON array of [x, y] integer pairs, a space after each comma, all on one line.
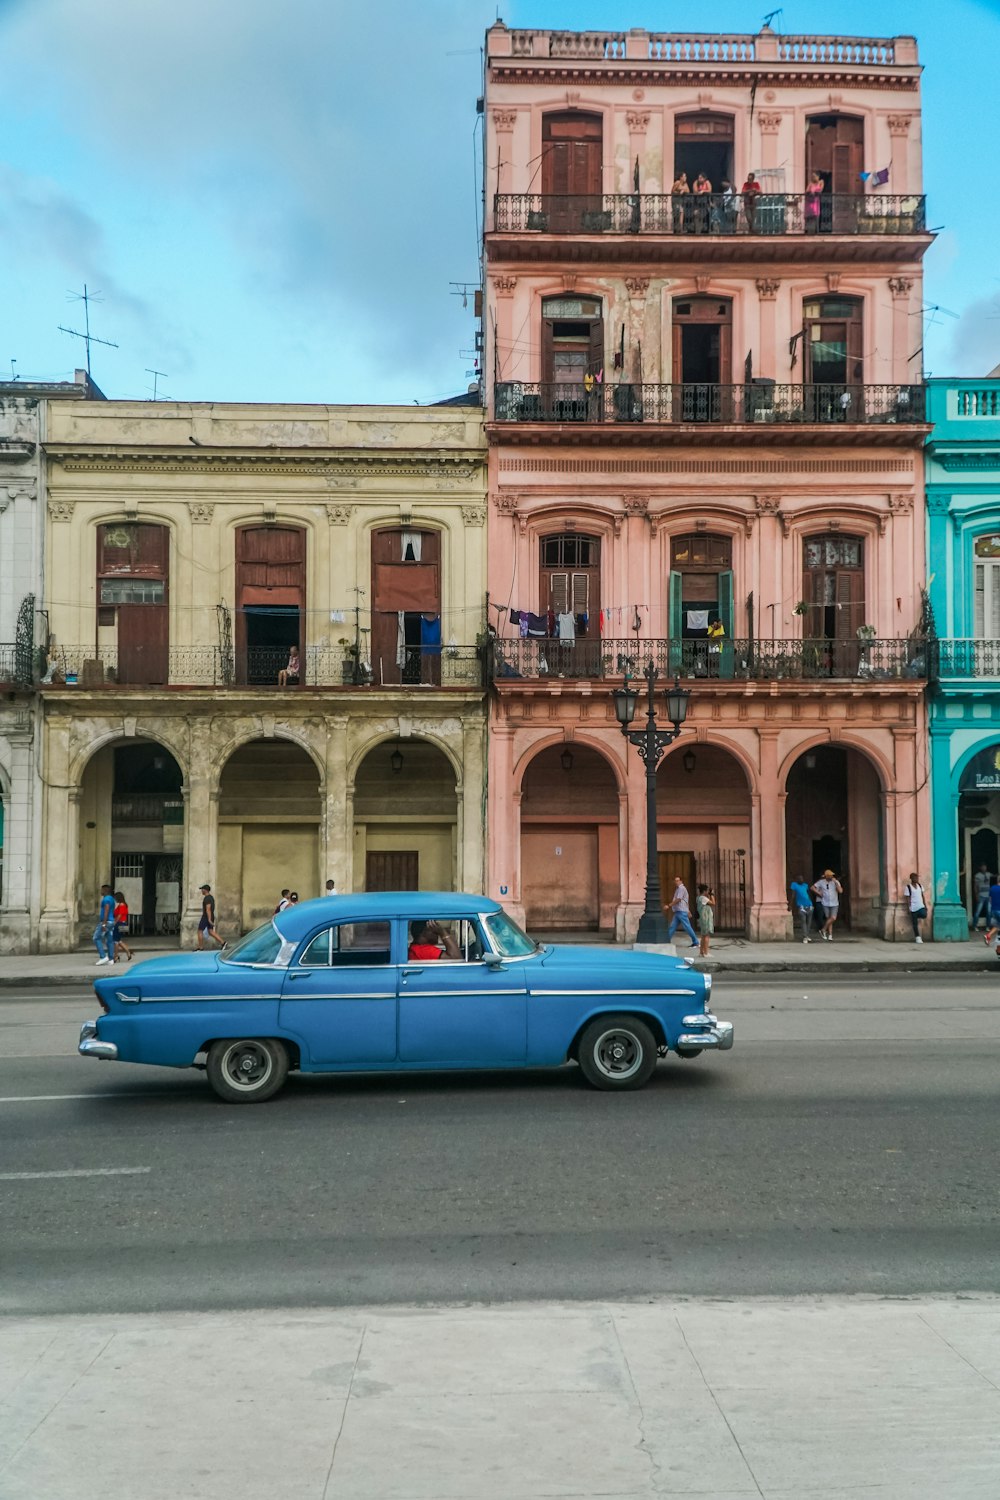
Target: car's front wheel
[[617, 1052], [247, 1071]]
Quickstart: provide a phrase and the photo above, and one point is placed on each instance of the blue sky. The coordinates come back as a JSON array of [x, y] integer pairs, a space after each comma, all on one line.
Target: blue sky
[[274, 200]]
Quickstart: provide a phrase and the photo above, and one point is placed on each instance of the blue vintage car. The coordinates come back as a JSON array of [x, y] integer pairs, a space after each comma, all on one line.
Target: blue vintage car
[[397, 981]]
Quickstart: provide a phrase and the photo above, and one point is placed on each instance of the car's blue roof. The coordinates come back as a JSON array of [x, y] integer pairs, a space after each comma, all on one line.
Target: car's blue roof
[[370, 906]]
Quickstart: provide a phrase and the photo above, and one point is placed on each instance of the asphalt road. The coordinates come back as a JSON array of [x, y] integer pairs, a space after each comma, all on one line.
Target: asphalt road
[[848, 1143]]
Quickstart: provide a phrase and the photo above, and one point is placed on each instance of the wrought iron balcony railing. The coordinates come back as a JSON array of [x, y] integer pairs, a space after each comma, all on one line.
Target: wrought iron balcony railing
[[147, 807], [766, 214], [965, 658], [761, 402], [8, 662], [726, 661], [208, 666]]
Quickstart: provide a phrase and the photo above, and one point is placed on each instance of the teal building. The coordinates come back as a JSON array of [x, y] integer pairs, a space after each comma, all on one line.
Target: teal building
[[963, 552]]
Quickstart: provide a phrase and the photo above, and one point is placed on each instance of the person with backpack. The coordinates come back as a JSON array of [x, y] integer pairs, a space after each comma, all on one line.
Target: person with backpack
[[917, 903]]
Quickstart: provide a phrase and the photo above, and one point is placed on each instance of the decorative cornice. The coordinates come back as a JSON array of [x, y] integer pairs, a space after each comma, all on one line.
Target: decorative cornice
[[636, 505], [506, 504], [767, 287], [900, 286], [967, 462], [61, 510], [201, 512], [735, 75], [334, 468], [474, 515], [338, 514]]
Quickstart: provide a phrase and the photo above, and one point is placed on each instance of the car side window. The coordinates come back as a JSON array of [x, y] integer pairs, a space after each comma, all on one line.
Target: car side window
[[468, 938], [348, 944]]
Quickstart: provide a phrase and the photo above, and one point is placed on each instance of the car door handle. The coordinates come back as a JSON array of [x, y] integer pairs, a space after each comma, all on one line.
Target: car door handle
[[413, 971], [300, 976]]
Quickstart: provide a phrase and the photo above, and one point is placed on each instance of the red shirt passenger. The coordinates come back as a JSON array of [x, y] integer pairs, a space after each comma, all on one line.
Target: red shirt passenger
[[425, 939]]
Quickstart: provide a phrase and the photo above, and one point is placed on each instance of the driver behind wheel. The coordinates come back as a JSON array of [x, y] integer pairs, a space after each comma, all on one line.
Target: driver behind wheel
[[429, 940]]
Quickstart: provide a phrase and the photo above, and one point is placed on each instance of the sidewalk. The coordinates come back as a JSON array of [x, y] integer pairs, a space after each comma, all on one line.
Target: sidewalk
[[846, 955], [727, 1400]]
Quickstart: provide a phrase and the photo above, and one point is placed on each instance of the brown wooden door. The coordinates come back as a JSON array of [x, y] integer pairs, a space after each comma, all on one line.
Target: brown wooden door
[[133, 578], [270, 599], [392, 870], [702, 359], [411, 587], [572, 171], [569, 582], [834, 359], [835, 148], [834, 580]]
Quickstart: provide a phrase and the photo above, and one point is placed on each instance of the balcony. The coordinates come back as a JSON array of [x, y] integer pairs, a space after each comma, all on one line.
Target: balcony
[[761, 410], [147, 808], [208, 667], [665, 227], [737, 661], [967, 658], [8, 663]]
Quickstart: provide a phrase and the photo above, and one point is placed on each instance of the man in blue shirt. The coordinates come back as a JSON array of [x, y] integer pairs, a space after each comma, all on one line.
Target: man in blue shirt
[[104, 932], [802, 906]]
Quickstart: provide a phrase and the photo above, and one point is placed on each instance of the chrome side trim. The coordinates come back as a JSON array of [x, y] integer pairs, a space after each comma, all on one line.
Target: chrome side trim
[[659, 990], [414, 994], [317, 999]]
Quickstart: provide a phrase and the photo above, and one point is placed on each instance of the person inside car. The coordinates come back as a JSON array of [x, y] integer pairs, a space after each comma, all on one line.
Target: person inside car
[[429, 940]]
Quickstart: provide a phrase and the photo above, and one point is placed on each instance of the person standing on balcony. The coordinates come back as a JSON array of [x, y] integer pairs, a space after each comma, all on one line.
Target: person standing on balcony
[[680, 193], [703, 189], [813, 192], [917, 904], [829, 890], [104, 932], [751, 192], [680, 905]]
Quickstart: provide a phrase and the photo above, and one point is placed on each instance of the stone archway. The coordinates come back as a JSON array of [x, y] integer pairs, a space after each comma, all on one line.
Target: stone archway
[[704, 823], [269, 827], [834, 819], [406, 821], [570, 865], [131, 834]]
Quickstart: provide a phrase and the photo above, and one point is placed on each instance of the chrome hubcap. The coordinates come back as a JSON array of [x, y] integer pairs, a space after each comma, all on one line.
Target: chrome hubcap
[[618, 1054], [247, 1065]]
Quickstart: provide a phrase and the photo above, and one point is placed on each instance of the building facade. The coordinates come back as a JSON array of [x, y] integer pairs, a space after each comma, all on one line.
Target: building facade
[[22, 626], [702, 416], [963, 526], [261, 667]]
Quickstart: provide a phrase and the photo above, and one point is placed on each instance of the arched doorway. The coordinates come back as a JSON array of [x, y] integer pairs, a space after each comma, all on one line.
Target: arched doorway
[[132, 834], [269, 818], [834, 820], [978, 821], [703, 829], [270, 600], [405, 819], [570, 875]]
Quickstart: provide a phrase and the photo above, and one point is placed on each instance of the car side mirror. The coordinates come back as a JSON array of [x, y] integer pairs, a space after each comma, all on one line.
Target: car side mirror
[[494, 960]]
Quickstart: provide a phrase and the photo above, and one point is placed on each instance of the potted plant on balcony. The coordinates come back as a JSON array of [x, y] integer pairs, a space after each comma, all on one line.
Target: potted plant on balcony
[[349, 664]]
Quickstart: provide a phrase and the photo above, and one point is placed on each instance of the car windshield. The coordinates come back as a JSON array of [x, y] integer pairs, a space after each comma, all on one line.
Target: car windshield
[[261, 946], [507, 937]]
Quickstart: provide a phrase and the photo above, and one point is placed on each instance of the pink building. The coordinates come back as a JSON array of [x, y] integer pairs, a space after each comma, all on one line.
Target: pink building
[[703, 280]]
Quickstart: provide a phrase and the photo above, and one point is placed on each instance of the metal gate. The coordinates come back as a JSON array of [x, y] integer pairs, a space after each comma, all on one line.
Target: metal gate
[[725, 870]]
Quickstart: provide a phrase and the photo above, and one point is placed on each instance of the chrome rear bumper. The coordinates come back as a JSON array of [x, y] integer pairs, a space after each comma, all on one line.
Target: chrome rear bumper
[[92, 1046], [706, 1031]]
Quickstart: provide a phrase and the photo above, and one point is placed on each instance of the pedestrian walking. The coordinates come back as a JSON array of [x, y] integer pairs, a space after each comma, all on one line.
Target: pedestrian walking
[[283, 902], [982, 880], [917, 903], [206, 923], [331, 889], [121, 926], [293, 898], [104, 932], [705, 906], [680, 905], [802, 908], [829, 890], [993, 926]]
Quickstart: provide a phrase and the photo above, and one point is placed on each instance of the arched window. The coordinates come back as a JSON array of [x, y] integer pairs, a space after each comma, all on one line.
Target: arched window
[[833, 344], [986, 618], [701, 585], [132, 613], [570, 579]]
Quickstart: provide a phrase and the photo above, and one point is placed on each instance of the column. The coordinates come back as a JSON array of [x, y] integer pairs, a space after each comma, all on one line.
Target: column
[[336, 829], [471, 846], [57, 922], [902, 329], [950, 920], [15, 916], [503, 818], [770, 918], [766, 356]]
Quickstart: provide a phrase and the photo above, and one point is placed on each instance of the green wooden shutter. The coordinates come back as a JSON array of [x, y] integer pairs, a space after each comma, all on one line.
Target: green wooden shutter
[[674, 619], [726, 610]]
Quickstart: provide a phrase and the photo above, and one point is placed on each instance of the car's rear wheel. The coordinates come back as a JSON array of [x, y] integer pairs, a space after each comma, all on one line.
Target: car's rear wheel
[[617, 1052], [248, 1070]]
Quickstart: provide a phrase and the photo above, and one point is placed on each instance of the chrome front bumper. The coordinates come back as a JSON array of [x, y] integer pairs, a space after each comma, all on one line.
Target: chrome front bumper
[[91, 1046], [705, 1030]]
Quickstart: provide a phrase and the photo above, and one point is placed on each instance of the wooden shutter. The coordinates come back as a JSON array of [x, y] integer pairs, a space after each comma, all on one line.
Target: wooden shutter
[[726, 608], [595, 356], [674, 595]]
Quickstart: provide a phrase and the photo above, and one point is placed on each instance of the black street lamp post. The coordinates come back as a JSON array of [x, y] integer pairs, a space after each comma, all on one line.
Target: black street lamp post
[[651, 743]]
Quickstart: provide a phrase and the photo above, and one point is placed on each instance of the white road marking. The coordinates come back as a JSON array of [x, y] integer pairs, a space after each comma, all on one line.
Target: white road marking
[[84, 1172], [42, 1098]]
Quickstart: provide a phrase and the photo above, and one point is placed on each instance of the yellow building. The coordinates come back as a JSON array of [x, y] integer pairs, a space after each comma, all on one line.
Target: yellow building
[[262, 663]]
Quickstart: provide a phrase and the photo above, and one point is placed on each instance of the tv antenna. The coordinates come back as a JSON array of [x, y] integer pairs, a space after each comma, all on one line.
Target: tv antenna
[[463, 289], [13, 372], [770, 17], [162, 374], [88, 338]]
